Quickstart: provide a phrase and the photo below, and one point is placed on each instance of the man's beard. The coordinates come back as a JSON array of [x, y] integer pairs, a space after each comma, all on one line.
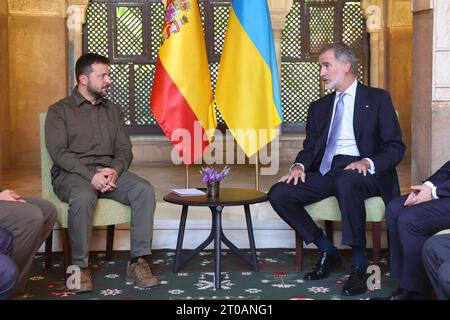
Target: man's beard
[[96, 94], [333, 85]]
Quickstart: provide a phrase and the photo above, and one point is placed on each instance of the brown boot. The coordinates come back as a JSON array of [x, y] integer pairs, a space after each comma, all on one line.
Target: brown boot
[[86, 284], [139, 274]]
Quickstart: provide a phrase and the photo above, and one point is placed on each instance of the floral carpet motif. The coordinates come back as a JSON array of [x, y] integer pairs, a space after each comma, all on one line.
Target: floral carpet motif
[[276, 280]]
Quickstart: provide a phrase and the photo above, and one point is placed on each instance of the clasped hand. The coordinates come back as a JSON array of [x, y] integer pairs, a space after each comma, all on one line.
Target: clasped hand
[[418, 194], [104, 180]]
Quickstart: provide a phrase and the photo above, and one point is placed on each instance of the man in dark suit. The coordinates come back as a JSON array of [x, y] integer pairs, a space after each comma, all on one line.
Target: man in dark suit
[[353, 144], [436, 259], [411, 220], [9, 272]]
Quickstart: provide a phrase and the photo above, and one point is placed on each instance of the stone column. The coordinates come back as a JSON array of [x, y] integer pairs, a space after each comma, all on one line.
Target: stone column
[[374, 12], [4, 89], [279, 9], [76, 18], [37, 72], [399, 65], [431, 87]]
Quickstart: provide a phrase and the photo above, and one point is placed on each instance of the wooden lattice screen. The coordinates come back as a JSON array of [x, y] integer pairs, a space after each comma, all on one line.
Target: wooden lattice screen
[[309, 25]]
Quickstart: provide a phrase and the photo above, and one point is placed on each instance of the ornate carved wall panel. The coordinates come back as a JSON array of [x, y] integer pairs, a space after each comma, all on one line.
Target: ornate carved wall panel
[[33, 7]]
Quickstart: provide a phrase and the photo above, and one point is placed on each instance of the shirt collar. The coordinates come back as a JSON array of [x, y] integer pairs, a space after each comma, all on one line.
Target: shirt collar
[[79, 99], [351, 91]]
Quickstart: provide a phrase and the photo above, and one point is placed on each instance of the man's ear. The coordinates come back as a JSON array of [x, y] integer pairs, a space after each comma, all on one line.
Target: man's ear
[[83, 79], [347, 67]]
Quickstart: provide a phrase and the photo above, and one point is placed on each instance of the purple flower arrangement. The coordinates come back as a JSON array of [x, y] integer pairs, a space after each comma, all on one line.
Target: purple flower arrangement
[[210, 175]]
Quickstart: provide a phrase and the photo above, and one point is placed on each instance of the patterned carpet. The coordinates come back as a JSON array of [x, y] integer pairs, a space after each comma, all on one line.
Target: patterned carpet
[[277, 279]]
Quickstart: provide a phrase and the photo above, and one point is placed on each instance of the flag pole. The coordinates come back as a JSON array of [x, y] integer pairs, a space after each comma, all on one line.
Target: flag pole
[[257, 171], [186, 170]]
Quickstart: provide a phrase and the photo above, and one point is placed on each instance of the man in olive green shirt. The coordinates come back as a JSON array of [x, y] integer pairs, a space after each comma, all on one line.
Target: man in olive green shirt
[[88, 141]]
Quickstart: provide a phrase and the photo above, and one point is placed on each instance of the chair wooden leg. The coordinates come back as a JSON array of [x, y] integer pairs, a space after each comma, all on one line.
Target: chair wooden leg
[[48, 251], [329, 230], [376, 242], [109, 241], [67, 250], [298, 252]]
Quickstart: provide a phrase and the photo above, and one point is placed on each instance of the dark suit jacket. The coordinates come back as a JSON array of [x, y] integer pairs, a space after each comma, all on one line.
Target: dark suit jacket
[[441, 179], [377, 133]]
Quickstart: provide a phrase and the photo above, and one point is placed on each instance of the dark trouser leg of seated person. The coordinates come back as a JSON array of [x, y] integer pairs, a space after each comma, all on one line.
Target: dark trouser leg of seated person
[[359, 258], [29, 223], [82, 199], [436, 259], [412, 226], [6, 242], [444, 281], [325, 245], [138, 193], [394, 210], [408, 229], [352, 189], [288, 200], [9, 274]]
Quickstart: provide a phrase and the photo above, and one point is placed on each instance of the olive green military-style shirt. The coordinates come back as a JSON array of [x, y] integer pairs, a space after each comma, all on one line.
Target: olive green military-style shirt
[[81, 136]]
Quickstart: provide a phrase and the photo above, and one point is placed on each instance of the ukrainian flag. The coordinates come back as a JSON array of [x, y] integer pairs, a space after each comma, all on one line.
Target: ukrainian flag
[[248, 88]]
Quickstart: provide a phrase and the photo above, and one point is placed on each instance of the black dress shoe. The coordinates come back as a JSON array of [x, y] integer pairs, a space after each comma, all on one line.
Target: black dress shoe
[[356, 283], [401, 294], [323, 265]]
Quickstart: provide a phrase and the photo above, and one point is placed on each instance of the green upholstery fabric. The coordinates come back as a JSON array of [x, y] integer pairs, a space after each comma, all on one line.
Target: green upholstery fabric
[[446, 231], [107, 212], [328, 209]]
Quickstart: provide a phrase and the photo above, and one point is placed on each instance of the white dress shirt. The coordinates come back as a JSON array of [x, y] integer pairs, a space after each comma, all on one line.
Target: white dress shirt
[[346, 143]]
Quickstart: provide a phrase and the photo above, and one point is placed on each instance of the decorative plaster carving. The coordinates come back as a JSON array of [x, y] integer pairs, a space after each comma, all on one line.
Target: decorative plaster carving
[[373, 18], [279, 9], [41, 7], [77, 2], [76, 17]]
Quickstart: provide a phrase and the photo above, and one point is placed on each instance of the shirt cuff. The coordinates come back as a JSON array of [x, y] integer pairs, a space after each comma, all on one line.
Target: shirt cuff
[[372, 166], [433, 189], [295, 165]]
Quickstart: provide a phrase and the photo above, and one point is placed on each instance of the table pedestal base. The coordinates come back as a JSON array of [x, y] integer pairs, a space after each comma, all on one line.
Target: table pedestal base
[[218, 236]]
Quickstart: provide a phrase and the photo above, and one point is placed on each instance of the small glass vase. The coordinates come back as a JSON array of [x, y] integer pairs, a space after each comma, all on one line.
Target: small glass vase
[[212, 189]]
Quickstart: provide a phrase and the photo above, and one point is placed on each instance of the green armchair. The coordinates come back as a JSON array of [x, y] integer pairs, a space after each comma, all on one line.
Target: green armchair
[[328, 210]]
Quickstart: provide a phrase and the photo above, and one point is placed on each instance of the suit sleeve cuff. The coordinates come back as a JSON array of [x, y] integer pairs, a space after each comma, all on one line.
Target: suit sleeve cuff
[[433, 189], [295, 165], [372, 166]]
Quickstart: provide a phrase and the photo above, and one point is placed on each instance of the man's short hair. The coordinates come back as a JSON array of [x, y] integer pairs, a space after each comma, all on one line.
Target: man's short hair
[[85, 62], [343, 53]]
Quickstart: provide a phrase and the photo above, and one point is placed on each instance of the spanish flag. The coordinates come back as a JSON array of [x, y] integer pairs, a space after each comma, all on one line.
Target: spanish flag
[[181, 98], [248, 89]]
